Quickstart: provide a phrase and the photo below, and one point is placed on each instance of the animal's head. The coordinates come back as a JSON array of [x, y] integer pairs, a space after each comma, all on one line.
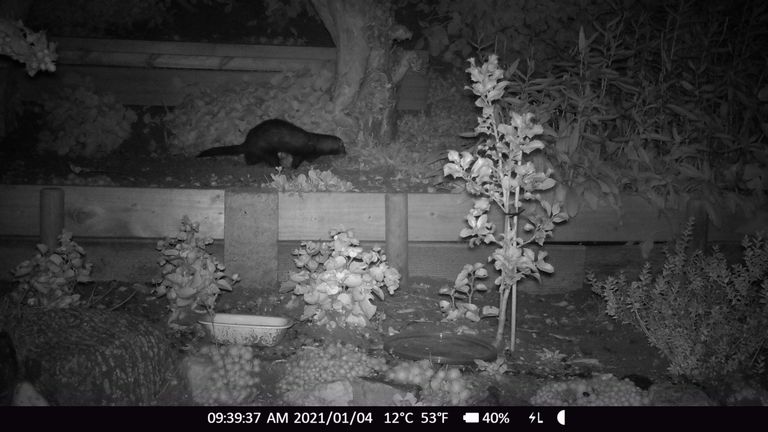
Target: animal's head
[[13, 389]]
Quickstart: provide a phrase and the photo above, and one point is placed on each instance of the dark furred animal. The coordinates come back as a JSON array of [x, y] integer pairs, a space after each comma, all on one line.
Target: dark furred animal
[[269, 138], [14, 389]]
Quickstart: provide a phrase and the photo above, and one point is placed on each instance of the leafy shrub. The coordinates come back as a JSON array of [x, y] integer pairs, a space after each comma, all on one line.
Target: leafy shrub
[[449, 112], [685, 127], [465, 286], [87, 18], [603, 390], [495, 174], [223, 374], [22, 44], [453, 30], [192, 279], [707, 318], [48, 280], [81, 122], [337, 280], [311, 366], [313, 181]]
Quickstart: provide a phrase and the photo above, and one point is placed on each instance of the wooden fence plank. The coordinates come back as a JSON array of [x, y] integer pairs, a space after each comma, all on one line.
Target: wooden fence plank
[[115, 212], [67, 45], [311, 216], [158, 72], [173, 61], [440, 217], [135, 86]]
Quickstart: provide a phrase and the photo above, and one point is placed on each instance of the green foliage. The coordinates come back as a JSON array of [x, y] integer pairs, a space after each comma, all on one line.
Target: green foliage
[[603, 390], [495, 172], [337, 280], [464, 288], [449, 112], [88, 18], [81, 122], [664, 103], [399, 158], [191, 278], [417, 373], [223, 116], [48, 280], [458, 29], [495, 369], [445, 386], [313, 181], [311, 366], [706, 317], [32, 49], [223, 374]]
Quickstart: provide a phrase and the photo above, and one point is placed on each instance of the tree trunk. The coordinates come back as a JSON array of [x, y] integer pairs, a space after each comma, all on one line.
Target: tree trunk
[[364, 96]]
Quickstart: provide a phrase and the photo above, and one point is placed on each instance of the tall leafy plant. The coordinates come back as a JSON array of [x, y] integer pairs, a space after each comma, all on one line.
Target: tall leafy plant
[[496, 173], [708, 317], [665, 103]]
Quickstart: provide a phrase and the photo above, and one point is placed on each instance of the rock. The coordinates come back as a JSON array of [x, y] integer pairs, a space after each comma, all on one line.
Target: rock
[[337, 393], [356, 392]]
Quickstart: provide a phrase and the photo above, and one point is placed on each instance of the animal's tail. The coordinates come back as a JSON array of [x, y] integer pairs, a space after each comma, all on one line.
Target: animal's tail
[[13, 389], [222, 151]]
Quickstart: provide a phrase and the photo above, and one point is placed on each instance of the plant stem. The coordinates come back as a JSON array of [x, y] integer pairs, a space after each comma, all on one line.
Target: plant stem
[[503, 296], [513, 235]]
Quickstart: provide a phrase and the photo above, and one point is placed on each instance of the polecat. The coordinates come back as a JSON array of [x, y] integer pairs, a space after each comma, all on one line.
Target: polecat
[[269, 138], [13, 389]]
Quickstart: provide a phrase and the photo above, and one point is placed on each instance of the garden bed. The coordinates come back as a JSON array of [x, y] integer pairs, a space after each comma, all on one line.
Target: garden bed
[[562, 336]]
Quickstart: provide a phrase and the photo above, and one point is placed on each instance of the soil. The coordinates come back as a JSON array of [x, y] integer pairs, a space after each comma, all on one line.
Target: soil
[[559, 336]]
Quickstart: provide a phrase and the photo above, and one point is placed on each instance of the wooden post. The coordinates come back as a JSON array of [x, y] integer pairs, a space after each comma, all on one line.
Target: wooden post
[[701, 224], [51, 216], [250, 238], [396, 230]]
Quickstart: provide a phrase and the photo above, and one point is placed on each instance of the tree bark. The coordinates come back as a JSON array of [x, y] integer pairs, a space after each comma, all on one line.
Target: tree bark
[[364, 96]]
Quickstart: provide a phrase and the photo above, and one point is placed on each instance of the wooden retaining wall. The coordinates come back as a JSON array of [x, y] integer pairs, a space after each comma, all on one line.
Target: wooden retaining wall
[[257, 230], [161, 72]]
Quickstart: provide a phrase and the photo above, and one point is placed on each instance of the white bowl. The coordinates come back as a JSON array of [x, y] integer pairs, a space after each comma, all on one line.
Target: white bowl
[[247, 329]]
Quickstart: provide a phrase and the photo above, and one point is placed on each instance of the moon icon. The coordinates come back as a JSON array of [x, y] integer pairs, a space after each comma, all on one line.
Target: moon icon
[[561, 417]]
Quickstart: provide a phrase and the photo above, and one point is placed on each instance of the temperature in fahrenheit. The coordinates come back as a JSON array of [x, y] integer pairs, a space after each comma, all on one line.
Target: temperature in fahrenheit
[[410, 417]]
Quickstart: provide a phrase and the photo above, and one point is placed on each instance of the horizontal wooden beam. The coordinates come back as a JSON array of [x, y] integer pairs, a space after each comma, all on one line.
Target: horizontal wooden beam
[[155, 212], [310, 216], [111, 212], [137, 86], [65, 46]]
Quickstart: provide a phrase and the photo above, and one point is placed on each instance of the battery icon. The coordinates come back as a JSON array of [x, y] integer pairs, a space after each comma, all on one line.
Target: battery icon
[[471, 417]]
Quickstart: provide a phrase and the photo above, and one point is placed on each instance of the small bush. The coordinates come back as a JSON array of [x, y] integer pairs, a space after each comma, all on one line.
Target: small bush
[[81, 122], [191, 278], [338, 280], [706, 317], [48, 279]]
